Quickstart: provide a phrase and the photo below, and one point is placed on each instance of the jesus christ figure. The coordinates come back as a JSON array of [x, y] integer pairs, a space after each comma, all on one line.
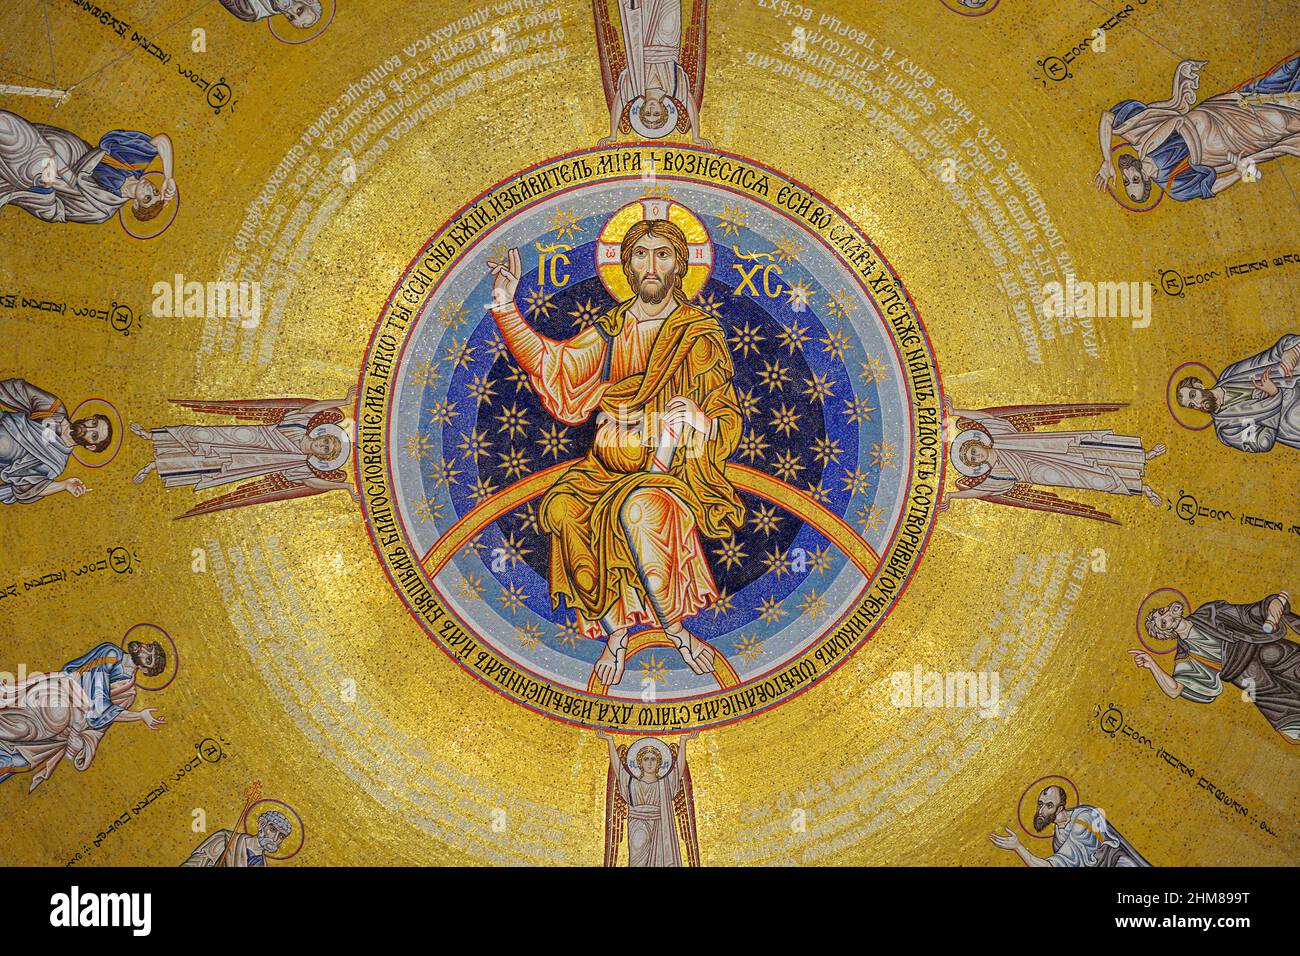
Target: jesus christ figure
[[625, 521]]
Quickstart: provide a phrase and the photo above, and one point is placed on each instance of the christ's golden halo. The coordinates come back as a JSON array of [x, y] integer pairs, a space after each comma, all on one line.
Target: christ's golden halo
[[609, 265]]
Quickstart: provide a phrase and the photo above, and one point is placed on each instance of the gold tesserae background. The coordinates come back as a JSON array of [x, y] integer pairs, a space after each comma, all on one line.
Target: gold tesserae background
[[953, 141]]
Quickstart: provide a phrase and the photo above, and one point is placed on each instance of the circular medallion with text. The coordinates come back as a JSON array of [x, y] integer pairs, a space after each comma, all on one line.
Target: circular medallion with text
[[649, 438]]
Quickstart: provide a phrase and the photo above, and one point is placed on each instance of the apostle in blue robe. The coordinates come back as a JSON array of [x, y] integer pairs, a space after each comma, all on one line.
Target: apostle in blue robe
[[59, 177], [1195, 152], [45, 718]]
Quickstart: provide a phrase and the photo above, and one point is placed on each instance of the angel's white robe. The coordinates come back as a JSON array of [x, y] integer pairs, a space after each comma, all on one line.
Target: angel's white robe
[[652, 40], [1091, 460], [205, 456], [651, 824]]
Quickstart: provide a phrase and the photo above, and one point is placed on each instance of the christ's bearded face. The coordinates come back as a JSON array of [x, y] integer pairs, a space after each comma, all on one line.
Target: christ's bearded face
[[1050, 803], [1197, 396], [653, 264]]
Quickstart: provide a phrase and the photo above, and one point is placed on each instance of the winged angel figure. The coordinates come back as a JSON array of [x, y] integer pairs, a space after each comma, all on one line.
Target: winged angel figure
[[652, 69], [283, 448], [648, 794], [1002, 459]]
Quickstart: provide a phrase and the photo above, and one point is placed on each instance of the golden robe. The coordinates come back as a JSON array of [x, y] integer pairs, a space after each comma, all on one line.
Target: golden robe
[[625, 540]]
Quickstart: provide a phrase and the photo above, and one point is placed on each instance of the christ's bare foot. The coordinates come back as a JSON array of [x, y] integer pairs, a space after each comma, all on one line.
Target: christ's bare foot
[[697, 655], [609, 666], [1152, 497], [1156, 452]]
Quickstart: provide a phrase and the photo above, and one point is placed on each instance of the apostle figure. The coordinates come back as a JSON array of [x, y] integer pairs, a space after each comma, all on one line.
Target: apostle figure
[[1080, 837], [1255, 403], [57, 176], [1001, 459], [228, 848], [650, 78], [1241, 644], [1196, 152], [625, 521], [649, 792], [302, 14], [36, 440], [65, 714], [284, 448]]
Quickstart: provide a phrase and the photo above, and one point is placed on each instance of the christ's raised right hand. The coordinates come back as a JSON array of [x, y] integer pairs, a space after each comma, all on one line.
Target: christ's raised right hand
[[506, 282]]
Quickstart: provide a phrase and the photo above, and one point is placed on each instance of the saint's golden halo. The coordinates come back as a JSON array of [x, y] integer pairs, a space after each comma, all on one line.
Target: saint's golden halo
[[1025, 813], [98, 406]]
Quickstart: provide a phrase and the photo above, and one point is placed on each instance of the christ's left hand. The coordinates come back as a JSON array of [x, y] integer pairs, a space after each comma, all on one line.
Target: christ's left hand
[[681, 412]]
